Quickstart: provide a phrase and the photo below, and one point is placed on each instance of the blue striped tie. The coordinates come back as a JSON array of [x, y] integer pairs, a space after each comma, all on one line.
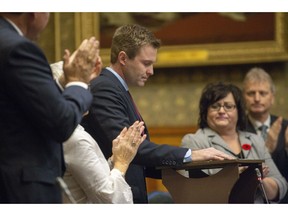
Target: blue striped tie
[[263, 130]]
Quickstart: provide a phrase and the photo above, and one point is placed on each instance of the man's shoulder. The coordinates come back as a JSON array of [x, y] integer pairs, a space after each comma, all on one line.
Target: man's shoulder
[[106, 80], [104, 76], [10, 38]]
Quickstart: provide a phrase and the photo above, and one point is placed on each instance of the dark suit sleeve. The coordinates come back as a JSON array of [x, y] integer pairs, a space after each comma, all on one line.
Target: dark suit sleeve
[[110, 112], [36, 94], [279, 155]]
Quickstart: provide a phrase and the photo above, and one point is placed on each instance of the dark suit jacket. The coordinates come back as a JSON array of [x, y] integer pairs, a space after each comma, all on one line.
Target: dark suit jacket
[[279, 156], [112, 109], [35, 118]]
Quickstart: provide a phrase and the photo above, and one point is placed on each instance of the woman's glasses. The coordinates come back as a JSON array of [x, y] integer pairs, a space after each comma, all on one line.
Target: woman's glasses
[[227, 107]]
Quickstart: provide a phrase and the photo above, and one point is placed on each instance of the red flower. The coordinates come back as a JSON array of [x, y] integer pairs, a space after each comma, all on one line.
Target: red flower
[[246, 147]]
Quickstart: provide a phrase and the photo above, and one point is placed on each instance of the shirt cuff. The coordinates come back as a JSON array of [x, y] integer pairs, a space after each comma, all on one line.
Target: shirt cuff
[[118, 171], [82, 84], [187, 157]]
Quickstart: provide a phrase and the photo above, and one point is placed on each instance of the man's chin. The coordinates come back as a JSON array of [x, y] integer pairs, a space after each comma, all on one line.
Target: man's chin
[[141, 84], [256, 109], [257, 113]]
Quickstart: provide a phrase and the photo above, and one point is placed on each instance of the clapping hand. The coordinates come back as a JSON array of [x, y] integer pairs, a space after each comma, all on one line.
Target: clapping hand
[[81, 64], [273, 133], [125, 145]]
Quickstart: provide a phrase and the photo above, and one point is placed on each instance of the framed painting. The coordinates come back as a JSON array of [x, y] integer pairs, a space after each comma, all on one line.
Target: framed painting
[[206, 38]]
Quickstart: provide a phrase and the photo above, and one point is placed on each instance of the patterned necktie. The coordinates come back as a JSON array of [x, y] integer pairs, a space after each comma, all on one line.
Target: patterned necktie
[[135, 107], [263, 130]]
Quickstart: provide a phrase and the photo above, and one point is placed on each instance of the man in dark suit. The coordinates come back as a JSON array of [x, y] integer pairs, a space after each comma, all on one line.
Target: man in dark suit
[[133, 53], [35, 116], [259, 94]]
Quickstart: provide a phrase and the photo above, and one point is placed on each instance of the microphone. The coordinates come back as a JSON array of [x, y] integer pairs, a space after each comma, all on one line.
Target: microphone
[[65, 189], [259, 178]]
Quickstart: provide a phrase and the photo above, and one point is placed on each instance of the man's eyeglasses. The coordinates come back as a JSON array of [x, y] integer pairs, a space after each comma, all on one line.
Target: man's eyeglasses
[[227, 107]]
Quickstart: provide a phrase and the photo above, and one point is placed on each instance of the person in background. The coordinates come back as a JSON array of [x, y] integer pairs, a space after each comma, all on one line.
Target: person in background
[[89, 177], [36, 117], [133, 53], [222, 123], [259, 94]]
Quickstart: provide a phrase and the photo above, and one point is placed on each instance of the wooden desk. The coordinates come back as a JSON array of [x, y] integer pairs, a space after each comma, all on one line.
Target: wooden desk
[[226, 186]]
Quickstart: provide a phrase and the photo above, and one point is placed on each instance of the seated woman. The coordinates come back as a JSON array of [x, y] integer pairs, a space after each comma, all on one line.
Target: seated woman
[[222, 126]]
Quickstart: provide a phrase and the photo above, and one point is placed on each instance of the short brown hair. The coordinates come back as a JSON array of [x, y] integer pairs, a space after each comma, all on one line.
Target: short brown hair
[[130, 38]]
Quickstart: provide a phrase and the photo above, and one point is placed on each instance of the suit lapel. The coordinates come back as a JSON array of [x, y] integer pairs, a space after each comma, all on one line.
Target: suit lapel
[[273, 119], [246, 144], [219, 143], [250, 127], [116, 81]]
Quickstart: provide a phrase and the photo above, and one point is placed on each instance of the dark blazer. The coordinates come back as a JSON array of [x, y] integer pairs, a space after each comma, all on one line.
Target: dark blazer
[[279, 156], [112, 109], [35, 118]]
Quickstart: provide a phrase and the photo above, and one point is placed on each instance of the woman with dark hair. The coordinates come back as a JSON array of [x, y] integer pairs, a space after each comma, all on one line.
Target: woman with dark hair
[[222, 126], [215, 92]]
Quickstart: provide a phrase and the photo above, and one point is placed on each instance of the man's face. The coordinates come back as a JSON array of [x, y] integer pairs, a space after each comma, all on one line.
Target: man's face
[[138, 70], [258, 97]]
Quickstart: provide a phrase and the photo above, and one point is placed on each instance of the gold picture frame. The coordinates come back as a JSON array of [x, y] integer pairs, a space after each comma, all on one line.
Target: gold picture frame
[[224, 53]]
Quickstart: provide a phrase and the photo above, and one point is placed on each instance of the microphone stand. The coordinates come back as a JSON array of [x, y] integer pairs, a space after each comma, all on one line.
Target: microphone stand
[[259, 176]]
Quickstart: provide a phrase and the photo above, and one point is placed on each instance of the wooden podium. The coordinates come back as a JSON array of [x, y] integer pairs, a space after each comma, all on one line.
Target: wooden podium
[[226, 186]]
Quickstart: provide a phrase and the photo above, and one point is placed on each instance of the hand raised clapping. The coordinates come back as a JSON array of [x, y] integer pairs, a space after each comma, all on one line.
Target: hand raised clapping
[[272, 136], [125, 145], [80, 65]]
